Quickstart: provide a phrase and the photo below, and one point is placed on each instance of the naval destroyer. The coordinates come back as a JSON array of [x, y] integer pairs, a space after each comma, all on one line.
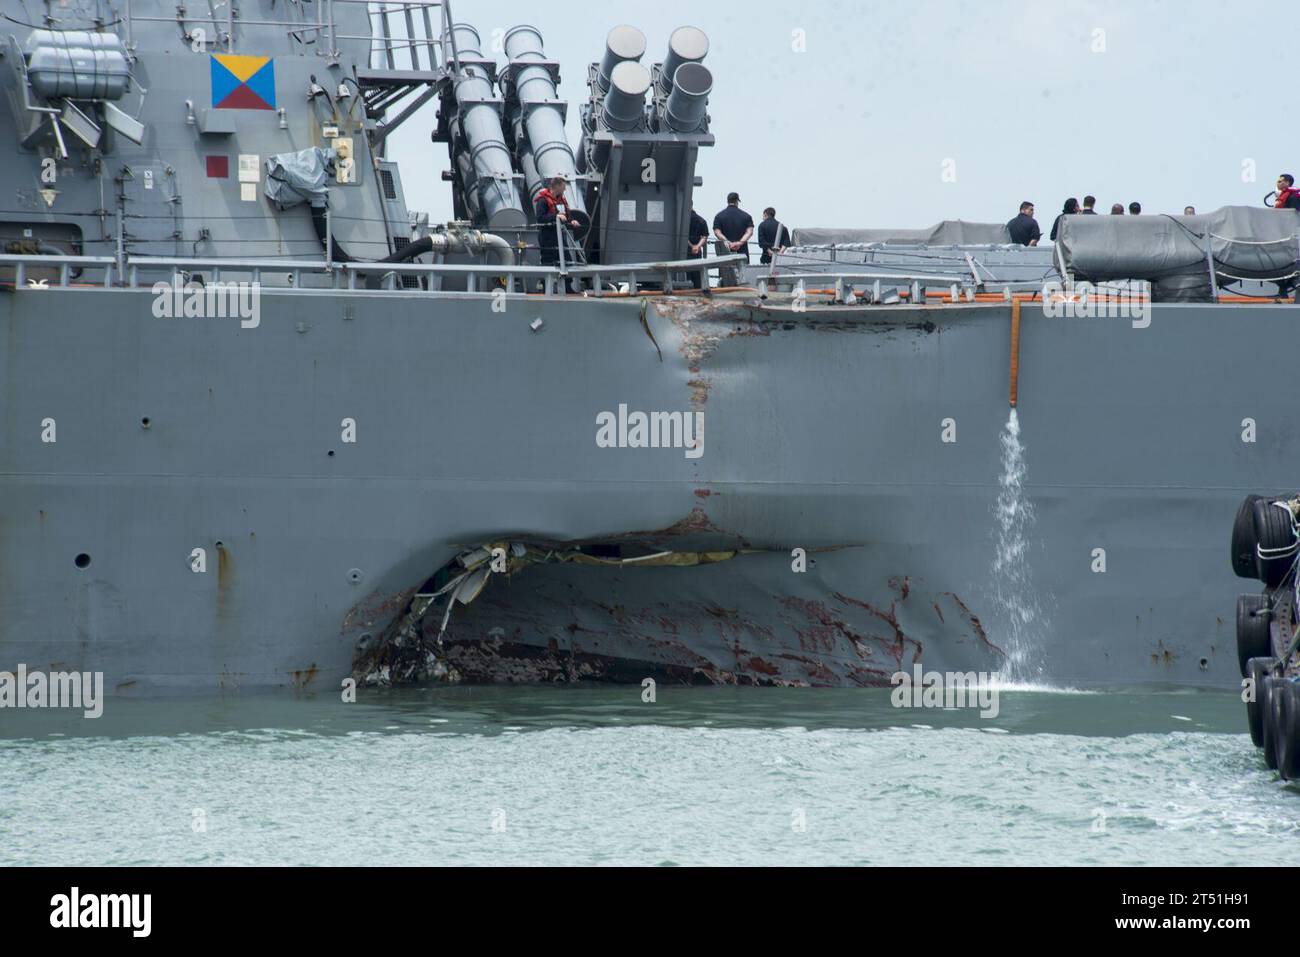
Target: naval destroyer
[[265, 426]]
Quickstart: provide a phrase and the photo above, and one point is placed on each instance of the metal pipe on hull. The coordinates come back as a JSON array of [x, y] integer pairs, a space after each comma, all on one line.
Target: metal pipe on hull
[[542, 120], [487, 173]]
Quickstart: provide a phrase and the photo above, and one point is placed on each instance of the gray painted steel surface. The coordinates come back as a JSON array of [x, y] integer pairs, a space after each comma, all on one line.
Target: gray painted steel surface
[[947, 233], [823, 431]]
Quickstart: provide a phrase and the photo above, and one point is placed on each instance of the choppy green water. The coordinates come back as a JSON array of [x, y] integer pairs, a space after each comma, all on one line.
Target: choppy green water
[[595, 776]]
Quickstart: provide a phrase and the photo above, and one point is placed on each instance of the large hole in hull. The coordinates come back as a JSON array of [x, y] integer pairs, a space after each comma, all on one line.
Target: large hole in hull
[[623, 610]]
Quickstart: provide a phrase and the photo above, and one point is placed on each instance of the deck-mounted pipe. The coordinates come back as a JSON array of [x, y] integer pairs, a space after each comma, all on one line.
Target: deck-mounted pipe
[[482, 161], [686, 45], [1014, 388], [545, 151], [623, 44]]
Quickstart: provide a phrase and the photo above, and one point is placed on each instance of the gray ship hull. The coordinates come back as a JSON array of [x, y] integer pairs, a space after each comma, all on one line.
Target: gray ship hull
[[823, 431]]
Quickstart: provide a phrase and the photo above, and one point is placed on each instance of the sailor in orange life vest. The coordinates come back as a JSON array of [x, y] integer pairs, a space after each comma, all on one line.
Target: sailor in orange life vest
[[549, 207], [1288, 197]]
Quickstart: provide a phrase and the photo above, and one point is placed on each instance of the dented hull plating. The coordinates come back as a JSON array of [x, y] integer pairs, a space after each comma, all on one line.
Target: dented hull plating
[[823, 430]]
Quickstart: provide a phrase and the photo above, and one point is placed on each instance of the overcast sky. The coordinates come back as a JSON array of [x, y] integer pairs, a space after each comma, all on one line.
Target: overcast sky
[[1150, 100]]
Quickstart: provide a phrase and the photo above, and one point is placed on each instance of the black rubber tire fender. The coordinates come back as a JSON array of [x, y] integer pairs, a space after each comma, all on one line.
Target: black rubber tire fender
[[1275, 542], [1269, 690], [1288, 730], [1257, 669], [1254, 633], [1243, 538]]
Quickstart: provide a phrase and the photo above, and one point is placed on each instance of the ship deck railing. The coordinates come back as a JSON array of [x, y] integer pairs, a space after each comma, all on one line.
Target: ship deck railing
[[872, 285], [107, 272], [137, 271], [421, 25]]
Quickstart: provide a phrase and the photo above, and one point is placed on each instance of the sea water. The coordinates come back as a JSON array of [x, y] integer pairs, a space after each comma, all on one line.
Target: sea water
[[597, 775]]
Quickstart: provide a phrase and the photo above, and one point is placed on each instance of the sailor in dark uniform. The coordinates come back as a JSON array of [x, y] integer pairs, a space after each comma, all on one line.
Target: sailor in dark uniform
[[697, 238]]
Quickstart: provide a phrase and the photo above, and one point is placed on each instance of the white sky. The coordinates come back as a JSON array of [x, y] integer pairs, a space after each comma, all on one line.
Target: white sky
[[855, 131]]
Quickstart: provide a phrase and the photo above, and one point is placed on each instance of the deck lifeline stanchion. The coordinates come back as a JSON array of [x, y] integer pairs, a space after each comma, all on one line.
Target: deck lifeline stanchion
[[1015, 352], [1209, 259]]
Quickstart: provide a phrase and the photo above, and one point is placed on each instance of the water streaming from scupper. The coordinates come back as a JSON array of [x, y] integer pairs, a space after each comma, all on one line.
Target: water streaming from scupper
[[1017, 603]]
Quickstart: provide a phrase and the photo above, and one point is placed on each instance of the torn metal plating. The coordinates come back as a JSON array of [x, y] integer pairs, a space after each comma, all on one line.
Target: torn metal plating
[[405, 654]]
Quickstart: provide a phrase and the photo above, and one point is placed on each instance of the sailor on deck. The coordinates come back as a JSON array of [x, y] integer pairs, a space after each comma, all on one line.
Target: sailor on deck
[[732, 227], [697, 236], [549, 208], [1070, 208], [771, 235], [1288, 197], [1024, 228]]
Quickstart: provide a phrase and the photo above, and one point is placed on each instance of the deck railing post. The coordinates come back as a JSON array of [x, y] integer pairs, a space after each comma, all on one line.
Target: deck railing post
[[1209, 260]]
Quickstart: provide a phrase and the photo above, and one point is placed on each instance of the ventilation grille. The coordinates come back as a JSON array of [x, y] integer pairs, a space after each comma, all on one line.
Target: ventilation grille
[[400, 242], [386, 180]]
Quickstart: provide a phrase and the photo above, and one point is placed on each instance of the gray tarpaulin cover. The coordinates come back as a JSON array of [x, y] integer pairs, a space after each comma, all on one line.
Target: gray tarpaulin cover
[[293, 178], [1248, 242], [952, 232]]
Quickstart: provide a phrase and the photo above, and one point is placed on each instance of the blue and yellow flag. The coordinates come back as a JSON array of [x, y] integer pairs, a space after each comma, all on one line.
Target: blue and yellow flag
[[243, 82]]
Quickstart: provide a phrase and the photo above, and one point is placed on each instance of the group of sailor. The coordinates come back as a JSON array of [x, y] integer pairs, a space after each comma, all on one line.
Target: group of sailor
[[1025, 232], [732, 230], [733, 227], [1024, 229]]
